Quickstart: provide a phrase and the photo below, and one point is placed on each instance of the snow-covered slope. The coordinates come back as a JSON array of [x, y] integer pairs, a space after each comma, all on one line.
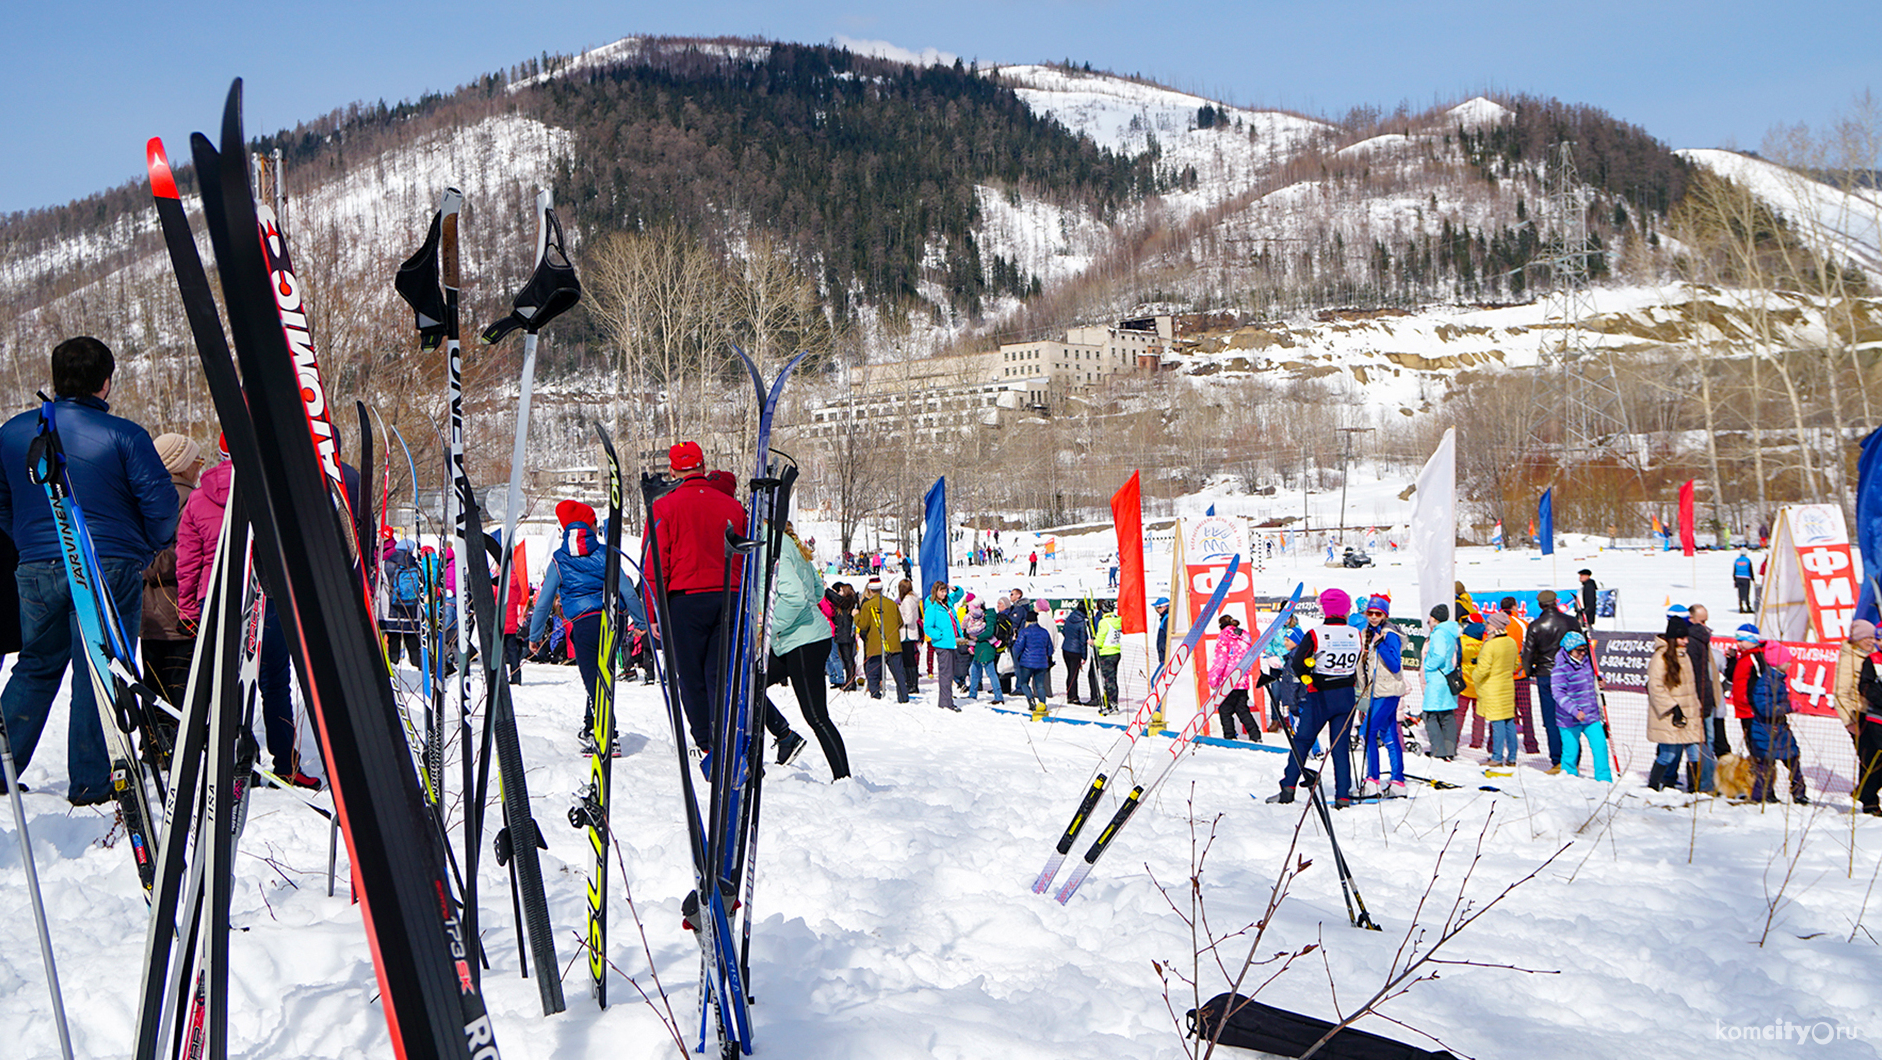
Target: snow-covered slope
[[1844, 224], [1127, 116]]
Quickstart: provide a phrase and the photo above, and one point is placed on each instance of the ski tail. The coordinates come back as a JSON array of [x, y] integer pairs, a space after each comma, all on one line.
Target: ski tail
[[1085, 805], [1118, 820]]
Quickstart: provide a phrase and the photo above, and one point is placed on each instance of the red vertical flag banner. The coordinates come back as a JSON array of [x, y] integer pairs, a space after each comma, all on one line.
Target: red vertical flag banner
[[1687, 542], [1127, 514]]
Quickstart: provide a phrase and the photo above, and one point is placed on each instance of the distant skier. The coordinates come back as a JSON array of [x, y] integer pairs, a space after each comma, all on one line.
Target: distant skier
[[1741, 580]]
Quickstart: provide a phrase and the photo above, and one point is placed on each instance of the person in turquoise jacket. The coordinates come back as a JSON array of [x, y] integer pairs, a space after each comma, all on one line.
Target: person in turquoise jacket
[[1443, 653], [800, 640], [943, 630]]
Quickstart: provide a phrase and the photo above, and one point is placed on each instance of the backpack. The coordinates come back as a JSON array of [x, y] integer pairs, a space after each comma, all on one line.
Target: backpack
[[1248, 1024], [408, 585], [1003, 630]]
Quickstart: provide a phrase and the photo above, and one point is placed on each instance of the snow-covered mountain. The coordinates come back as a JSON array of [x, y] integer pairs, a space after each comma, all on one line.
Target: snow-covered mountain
[[1843, 224], [1268, 216]]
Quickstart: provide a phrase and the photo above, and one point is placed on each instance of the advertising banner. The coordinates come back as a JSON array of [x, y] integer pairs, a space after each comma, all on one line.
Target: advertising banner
[[1621, 660]]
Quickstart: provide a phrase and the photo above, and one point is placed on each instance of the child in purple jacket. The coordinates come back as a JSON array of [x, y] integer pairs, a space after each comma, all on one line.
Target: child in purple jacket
[[1578, 707]]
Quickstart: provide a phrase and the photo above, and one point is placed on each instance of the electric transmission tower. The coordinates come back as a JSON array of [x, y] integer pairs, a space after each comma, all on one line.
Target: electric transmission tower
[[1582, 416]]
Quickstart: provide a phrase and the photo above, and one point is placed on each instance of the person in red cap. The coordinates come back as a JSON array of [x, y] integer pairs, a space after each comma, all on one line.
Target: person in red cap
[[690, 523]]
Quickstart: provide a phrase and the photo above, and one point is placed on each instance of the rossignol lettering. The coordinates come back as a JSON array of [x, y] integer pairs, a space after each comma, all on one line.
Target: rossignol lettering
[[289, 303]]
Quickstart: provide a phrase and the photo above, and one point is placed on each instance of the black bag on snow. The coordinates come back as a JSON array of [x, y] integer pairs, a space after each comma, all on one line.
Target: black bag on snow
[[1253, 1025]]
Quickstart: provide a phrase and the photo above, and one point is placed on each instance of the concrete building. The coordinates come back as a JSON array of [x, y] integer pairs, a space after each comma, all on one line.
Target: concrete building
[[961, 391]]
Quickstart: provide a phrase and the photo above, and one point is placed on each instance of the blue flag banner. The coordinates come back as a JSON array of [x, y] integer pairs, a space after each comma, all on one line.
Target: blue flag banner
[[1869, 521], [934, 535], [1211, 510], [1545, 521]]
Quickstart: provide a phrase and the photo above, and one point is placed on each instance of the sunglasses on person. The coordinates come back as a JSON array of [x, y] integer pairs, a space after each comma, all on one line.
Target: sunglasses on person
[[1374, 611]]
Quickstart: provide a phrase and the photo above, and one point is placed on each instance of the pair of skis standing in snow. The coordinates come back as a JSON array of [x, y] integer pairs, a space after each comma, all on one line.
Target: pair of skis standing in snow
[[1120, 758], [723, 834]]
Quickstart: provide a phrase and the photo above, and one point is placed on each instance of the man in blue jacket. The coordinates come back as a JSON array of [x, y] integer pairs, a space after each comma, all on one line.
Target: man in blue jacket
[[1741, 580], [130, 508]]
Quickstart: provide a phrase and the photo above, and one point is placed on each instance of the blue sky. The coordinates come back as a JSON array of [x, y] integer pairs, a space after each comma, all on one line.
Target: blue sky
[[88, 83]]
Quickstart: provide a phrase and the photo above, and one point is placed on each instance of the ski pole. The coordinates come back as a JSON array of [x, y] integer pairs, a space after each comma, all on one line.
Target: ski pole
[[32, 883], [1349, 887]]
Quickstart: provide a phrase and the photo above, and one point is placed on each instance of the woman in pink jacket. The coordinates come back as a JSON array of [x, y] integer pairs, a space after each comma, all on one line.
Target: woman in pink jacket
[[1230, 645]]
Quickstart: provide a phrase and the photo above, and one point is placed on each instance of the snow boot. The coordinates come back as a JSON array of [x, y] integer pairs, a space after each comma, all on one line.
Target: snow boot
[[1656, 777], [790, 745], [1285, 795]]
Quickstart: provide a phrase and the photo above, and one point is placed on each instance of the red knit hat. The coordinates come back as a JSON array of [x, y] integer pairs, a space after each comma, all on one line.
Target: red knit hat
[[571, 510], [723, 481]]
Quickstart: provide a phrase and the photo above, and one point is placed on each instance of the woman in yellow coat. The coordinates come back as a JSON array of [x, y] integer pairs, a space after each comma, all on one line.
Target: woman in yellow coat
[[1495, 677]]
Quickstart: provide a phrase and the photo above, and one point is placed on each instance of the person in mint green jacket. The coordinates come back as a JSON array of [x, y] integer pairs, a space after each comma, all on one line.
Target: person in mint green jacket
[[800, 641]]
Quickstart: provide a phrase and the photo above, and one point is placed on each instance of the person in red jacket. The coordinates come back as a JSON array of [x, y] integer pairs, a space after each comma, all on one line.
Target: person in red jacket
[[690, 523]]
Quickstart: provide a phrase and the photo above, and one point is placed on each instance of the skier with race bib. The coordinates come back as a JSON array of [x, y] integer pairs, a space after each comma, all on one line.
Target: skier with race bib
[[1327, 663]]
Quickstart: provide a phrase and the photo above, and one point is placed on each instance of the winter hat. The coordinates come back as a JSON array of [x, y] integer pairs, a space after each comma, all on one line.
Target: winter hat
[[875, 583], [1496, 622], [1380, 602], [1680, 610], [178, 453], [1041, 605], [1546, 598], [1748, 633], [1162, 601], [1861, 628], [1335, 604], [222, 444], [686, 457], [723, 481], [1586, 571], [1677, 626], [571, 510], [1441, 612], [1572, 640], [969, 598], [1777, 654]]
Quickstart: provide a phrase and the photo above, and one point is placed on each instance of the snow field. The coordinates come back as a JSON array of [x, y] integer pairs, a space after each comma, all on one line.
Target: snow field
[[896, 920]]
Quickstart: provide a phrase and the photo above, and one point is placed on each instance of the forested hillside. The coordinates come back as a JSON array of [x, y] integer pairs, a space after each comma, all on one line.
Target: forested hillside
[[865, 166]]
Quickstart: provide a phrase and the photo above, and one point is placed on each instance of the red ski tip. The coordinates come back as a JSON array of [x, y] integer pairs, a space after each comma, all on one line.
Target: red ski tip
[[162, 183]]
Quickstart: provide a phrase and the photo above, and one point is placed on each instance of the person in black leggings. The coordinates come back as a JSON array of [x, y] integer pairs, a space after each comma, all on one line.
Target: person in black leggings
[[800, 642]]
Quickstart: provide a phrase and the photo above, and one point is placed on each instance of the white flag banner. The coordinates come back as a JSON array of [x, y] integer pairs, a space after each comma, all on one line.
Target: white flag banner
[[1434, 526]]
